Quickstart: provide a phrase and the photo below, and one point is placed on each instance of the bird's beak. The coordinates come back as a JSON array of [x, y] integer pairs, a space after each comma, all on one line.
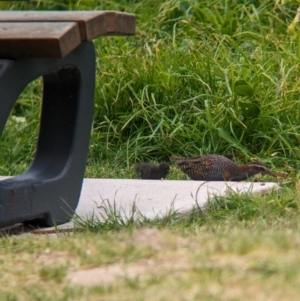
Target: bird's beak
[[270, 173]]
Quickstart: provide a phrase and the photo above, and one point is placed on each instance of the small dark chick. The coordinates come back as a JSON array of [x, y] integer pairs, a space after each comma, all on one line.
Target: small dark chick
[[219, 168], [148, 171]]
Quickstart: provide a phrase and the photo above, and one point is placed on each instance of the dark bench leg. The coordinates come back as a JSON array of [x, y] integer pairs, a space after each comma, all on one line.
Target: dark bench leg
[[50, 189]]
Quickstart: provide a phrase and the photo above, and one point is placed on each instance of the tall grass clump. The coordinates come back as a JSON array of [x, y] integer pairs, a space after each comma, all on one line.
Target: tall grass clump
[[217, 77], [198, 77]]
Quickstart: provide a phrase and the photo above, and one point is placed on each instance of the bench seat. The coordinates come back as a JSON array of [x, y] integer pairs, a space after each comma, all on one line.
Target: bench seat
[[36, 34]]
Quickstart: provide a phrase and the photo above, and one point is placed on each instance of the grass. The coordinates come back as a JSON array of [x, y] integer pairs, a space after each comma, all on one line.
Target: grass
[[198, 77], [214, 263]]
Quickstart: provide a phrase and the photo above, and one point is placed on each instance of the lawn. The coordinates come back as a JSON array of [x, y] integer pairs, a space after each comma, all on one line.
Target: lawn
[[199, 77]]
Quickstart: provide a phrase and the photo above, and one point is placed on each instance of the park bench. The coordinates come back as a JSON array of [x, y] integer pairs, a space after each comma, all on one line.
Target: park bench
[[58, 47]]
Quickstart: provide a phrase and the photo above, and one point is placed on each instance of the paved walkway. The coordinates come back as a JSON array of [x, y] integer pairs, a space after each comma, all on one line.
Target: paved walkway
[[154, 198]]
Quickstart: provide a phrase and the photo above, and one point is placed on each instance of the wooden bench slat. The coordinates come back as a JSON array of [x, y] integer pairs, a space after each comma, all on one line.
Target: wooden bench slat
[[38, 40], [92, 24]]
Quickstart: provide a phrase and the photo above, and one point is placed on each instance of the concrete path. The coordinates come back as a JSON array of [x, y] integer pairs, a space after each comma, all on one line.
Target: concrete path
[[154, 198]]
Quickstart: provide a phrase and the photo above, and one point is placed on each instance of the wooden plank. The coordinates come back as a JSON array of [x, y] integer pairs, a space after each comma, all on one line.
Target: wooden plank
[[120, 24], [38, 40], [92, 24]]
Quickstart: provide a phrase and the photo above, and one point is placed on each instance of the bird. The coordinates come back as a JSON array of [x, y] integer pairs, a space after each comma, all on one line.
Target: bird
[[219, 168], [148, 171]]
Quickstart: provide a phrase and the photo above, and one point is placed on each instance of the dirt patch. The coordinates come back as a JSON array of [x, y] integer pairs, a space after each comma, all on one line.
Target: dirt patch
[[228, 260], [49, 257], [152, 237], [159, 239], [111, 273], [169, 256]]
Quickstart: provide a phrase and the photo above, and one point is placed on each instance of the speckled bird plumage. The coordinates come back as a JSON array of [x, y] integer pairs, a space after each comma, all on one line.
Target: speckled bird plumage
[[218, 168], [148, 171]]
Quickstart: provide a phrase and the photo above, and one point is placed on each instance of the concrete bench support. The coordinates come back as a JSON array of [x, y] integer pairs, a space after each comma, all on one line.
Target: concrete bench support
[[50, 188]]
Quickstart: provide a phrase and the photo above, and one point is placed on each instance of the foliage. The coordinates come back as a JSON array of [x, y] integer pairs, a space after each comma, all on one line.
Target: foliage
[[217, 77]]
